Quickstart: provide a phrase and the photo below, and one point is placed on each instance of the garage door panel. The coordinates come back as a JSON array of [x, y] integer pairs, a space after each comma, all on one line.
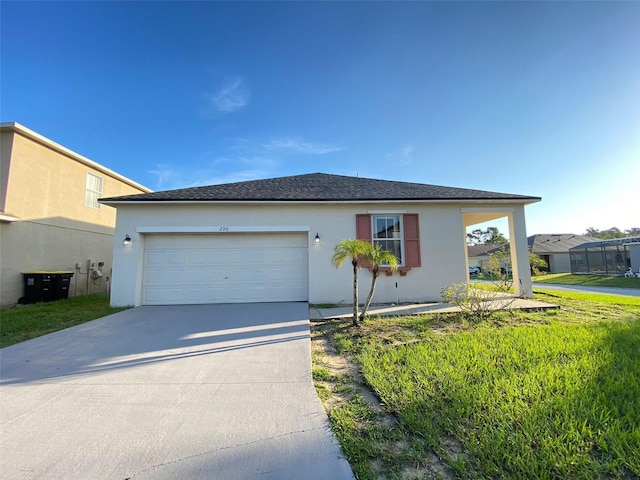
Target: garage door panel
[[287, 256], [153, 258], [196, 257], [232, 268], [153, 276], [158, 277], [198, 277]]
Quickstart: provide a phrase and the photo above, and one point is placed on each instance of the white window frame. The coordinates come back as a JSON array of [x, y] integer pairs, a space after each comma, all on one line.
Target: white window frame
[[400, 217], [93, 190]]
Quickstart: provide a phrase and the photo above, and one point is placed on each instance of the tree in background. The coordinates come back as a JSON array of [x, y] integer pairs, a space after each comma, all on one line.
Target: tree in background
[[612, 232], [538, 264], [489, 236]]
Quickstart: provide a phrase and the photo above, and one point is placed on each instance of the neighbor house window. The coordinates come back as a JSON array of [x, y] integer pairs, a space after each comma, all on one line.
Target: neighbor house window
[[93, 191], [398, 233], [387, 232]]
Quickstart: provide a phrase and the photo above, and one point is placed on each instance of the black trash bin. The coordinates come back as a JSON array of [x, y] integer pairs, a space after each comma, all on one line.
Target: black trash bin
[[45, 286], [62, 280], [38, 287]]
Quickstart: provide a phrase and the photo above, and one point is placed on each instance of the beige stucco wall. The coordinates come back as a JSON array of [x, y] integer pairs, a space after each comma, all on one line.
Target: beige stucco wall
[[45, 184], [442, 231], [559, 263], [6, 142], [45, 187]]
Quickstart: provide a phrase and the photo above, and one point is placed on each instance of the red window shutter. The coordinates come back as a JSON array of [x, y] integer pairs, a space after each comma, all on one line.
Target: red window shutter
[[363, 230], [363, 226], [411, 240]]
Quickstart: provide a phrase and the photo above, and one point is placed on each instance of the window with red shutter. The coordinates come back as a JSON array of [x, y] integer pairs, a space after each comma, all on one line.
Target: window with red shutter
[[400, 236]]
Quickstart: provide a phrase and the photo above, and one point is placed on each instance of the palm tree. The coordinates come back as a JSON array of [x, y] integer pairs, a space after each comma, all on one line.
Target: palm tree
[[377, 256], [356, 250]]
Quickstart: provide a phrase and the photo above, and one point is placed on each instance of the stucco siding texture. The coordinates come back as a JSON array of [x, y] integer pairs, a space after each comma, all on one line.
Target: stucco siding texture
[[54, 229], [443, 260]]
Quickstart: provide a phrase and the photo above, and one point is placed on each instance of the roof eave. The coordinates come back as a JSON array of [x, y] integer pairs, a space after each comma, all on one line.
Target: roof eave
[[42, 140], [502, 201]]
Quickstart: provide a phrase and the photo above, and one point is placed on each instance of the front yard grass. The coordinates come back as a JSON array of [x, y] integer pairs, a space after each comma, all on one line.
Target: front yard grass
[[552, 394], [24, 322], [588, 280]]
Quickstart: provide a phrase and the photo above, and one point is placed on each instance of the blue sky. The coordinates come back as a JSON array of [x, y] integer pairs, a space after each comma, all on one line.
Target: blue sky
[[533, 98]]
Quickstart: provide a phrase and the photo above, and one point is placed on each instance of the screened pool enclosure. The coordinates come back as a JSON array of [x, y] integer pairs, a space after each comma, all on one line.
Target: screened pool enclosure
[[608, 257]]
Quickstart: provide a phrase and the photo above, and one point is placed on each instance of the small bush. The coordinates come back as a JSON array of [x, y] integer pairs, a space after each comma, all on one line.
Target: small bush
[[475, 304], [500, 268]]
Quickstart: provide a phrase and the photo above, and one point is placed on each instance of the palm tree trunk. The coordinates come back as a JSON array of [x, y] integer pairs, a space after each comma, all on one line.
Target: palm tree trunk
[[355, 293], [376, 273]]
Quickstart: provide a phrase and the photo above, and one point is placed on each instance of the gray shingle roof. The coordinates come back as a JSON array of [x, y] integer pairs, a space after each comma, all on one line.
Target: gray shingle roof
[[609, 242], [482, 249], [319, 187], [556, 243]]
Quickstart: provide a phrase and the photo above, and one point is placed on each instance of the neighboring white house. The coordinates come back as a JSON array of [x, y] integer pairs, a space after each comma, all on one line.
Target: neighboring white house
[[479, 255], [272, 240], [554, 249]]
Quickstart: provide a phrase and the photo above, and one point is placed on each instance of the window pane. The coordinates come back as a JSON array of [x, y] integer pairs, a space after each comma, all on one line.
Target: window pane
[[396, 228], [381, 228], [392, 245], [386, 227], [387, 233], [93, 190]]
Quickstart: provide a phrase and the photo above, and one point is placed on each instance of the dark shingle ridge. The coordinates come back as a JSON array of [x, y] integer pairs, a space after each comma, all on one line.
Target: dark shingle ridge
[[318, 187]]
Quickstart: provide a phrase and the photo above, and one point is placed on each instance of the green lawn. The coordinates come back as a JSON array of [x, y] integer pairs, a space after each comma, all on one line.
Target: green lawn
[[552, 394], [588, 280], [24, 322]]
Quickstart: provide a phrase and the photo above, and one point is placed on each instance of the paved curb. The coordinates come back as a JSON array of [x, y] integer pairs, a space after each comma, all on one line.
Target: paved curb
[[392, 310]]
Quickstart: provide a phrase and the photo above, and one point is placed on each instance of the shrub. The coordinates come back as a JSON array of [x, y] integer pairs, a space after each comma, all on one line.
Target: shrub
[[475, 304]]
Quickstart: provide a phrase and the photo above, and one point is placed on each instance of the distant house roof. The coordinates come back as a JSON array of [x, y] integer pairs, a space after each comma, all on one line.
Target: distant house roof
[[544, 244], [480, 250], [609, 242], [320, 187]]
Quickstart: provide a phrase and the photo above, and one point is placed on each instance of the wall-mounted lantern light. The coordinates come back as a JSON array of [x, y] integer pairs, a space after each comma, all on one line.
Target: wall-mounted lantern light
[[317, 239], [127, 241]]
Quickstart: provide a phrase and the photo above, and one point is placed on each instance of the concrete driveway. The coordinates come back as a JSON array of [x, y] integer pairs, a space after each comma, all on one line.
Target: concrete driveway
[[179, 392]]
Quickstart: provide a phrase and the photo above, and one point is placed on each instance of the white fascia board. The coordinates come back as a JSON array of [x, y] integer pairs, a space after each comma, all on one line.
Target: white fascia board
[[224, 229], [6, 217], [115, 203], [486, 210]]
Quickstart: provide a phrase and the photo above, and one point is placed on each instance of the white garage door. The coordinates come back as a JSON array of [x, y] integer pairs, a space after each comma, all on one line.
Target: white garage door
[[224, 268]]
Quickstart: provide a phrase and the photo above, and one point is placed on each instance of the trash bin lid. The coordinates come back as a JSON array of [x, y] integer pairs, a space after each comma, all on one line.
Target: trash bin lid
[[46, 272]]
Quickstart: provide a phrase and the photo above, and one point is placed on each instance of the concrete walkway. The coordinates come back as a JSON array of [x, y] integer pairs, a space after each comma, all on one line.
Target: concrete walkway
[[183, 392], [626, 292], [421, 308]]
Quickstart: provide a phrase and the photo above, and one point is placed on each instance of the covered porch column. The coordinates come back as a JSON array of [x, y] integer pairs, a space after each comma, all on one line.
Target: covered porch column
[[518, 246]]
